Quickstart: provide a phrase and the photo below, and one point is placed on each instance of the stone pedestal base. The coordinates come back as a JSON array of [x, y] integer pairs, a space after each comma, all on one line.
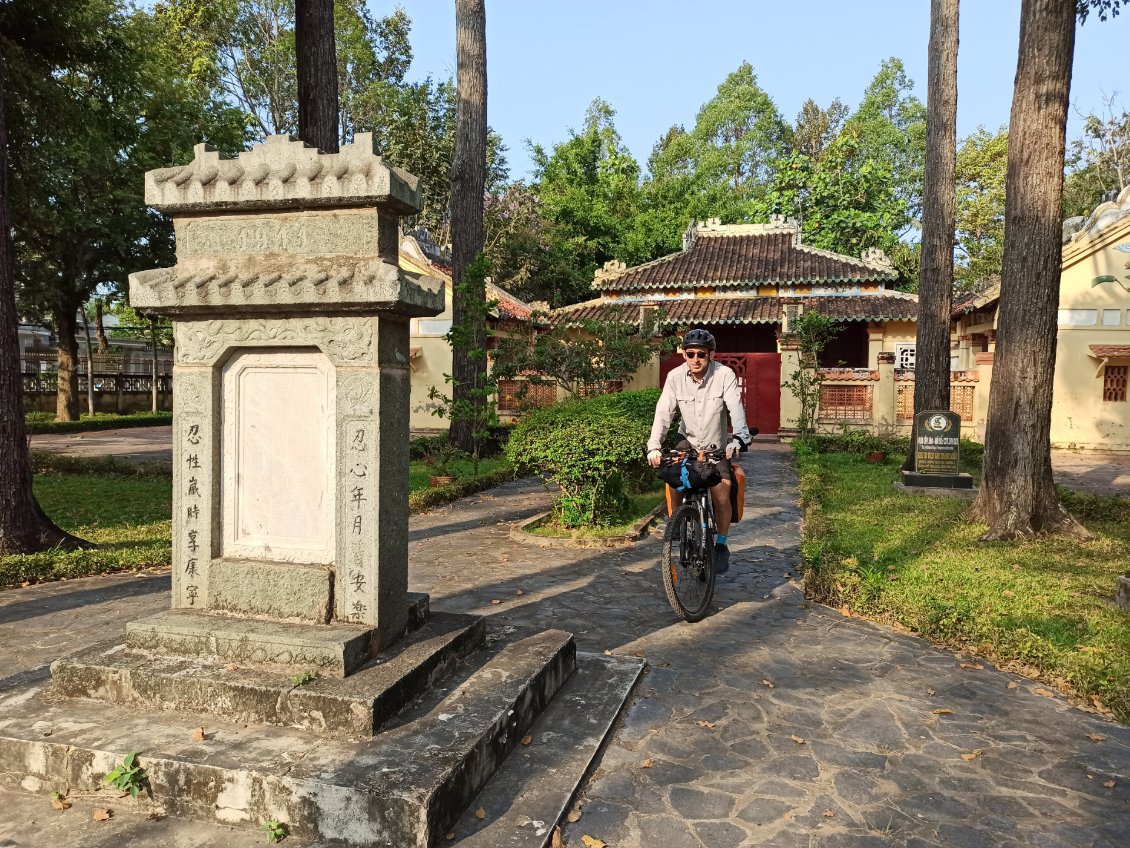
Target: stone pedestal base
[[356, 707], [335, 650], [405, 788], [937, 481]]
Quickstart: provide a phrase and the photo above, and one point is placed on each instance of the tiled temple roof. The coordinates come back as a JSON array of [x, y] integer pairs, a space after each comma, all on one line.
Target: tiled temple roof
[[745, 255], [743, 310], [1112, 351]]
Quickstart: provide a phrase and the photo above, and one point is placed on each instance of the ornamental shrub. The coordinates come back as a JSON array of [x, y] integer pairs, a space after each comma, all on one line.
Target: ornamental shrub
[[592, 449]]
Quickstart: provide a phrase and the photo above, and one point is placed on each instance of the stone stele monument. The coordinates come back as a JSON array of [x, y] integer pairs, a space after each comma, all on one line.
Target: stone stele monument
[[295, 678], [290, 386]]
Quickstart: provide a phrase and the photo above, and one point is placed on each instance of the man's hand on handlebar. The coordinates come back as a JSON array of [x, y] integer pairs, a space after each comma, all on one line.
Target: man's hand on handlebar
[[654, 458]]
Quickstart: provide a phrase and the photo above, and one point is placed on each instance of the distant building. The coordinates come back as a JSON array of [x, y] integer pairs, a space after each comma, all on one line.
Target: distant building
[[430, 353], [744, 283], [1090, 409]]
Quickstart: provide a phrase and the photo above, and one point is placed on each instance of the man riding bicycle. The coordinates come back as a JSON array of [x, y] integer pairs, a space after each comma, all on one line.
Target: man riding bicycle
[[703, 390]]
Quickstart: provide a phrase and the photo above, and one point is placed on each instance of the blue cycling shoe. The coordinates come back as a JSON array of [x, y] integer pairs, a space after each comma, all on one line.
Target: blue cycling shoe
[[721, 559]]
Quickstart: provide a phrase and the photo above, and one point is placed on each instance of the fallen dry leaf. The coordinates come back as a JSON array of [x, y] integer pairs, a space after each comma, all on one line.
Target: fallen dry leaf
[[557, 842], [60, 804], [709, 725], [943, 711], [496, 601], [1012, 684], [607, 653], [829, 813], [198, 734], [232, 667], [574, 816], [519, 592], [797, 739], [1110, 784], [1096, 737], [1044, 693], [930, 692], [526, 740], [648, 763], [592, 842], [155, 816], [974, 666], [480, 813], [768, 683], [972, 755], [450, 837], [102, 815]]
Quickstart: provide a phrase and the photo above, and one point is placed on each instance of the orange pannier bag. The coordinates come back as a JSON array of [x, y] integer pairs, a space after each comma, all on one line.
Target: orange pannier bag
[[737, 493]]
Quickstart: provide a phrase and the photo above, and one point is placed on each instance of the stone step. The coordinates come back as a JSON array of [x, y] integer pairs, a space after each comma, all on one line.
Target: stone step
[[533, 789], [333, 650], [354, 707], [403, 788]]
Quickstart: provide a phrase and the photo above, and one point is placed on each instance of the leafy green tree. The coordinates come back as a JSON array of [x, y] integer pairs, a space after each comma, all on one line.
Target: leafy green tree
[[1098, 161], [38, 40], [738, 135], [720, 168], [982, 160], [581, 360], [845, 201], [83, 146], [891, 123], [589, 192], [816, 128], [246, 48]]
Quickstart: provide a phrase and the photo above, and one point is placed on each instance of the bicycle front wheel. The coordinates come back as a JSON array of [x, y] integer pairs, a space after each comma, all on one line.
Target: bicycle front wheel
[[688, 564]]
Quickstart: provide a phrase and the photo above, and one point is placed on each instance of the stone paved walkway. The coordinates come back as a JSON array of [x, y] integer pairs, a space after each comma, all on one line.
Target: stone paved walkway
[[775, 722]]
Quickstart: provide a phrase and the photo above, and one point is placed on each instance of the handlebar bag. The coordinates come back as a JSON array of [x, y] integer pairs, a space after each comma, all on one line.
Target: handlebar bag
[[689, 474]]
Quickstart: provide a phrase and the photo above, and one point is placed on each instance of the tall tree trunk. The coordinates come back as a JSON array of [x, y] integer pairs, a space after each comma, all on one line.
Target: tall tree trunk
[[316, 61], [468, 181], [66, 328], [23, 526], [1017, 497], [935, 273], [100, 325]]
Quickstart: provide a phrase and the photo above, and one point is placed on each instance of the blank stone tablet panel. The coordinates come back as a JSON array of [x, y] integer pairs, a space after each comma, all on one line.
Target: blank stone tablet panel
[[278, 456]]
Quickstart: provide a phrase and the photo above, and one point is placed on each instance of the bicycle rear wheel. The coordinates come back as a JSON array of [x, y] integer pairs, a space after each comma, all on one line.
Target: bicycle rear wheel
[[688, 564]]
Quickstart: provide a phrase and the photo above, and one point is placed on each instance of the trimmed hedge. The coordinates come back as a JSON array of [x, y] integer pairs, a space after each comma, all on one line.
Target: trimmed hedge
[[57, 463], [593, 449], [99, 421], [425, 499]]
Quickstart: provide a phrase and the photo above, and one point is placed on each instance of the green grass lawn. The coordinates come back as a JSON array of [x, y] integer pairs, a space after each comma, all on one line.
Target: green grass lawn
[[127, 517], [125, 511], [461, 469], [638, 507], [1044, 608]]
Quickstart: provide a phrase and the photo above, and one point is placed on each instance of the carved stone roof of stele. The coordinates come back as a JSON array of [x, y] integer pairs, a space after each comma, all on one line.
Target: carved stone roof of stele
[[283, 173], [310, 285]]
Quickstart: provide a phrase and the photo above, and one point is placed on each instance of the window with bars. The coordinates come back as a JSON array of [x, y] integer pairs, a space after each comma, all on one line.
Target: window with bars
[[1114, 382], [841, 402], [517, 395]]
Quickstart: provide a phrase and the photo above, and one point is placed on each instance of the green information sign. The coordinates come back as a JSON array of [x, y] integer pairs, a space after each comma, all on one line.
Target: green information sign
[[937, 443]]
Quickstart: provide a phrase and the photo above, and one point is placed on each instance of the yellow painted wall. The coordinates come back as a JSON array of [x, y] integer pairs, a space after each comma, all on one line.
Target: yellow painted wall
[[1080, 416]]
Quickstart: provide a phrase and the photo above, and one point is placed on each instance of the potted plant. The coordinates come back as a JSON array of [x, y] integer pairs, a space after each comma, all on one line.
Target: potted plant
[[438, 458]]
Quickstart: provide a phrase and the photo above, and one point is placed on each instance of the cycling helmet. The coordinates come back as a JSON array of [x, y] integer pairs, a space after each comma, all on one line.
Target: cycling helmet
[[698, 338]]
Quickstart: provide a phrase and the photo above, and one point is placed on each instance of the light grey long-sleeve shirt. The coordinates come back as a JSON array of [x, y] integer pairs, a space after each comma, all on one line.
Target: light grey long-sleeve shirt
[[702, 407]]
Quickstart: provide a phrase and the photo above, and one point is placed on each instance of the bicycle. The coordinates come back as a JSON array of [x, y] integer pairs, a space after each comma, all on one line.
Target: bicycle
[[688, 546]]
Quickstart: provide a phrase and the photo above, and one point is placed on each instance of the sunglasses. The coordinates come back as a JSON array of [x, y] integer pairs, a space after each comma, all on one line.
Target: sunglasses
[[696, 354]]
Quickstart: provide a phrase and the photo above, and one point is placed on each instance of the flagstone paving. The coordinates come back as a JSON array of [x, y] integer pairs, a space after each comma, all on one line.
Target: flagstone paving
[[774, 722]]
